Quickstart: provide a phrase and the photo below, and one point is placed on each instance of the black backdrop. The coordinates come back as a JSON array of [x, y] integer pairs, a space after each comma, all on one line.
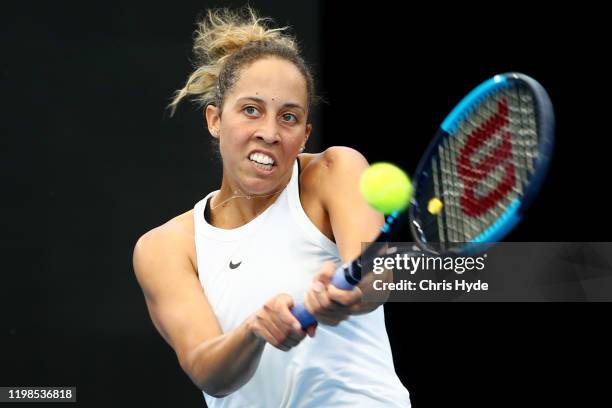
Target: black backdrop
[[90, 161]]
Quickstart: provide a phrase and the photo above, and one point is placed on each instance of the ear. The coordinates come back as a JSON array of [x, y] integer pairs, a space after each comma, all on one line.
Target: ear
[[308, 131], [213, 120]]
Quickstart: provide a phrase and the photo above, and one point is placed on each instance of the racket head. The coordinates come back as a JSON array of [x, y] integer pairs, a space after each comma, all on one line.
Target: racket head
[[485, 165]]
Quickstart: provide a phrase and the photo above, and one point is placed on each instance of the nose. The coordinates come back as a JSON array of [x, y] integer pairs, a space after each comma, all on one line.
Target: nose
[[269, 133]]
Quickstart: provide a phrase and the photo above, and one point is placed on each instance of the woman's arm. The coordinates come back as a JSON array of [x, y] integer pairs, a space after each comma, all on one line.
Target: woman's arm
[[352, 219], [353, 222], [218, 363]]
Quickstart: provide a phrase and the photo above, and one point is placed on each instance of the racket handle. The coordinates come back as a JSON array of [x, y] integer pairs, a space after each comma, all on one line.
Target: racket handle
[[303, 316], [345, 277]]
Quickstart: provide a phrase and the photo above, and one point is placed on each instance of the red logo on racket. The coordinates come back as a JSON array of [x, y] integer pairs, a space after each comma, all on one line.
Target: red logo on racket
[[472, 174]]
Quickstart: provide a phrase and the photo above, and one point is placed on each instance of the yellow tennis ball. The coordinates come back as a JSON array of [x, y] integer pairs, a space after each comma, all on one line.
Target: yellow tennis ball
[[434, 206], [386, 187]]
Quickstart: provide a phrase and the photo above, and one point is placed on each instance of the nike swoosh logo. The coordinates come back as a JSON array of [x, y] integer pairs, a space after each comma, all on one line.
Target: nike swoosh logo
[[233, 265]]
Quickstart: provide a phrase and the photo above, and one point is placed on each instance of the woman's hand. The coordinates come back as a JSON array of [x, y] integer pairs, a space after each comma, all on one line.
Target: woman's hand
[[328, 304], [275, 324]]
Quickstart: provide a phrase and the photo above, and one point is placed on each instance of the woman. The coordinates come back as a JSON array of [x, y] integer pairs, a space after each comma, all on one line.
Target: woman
[[220, 280]]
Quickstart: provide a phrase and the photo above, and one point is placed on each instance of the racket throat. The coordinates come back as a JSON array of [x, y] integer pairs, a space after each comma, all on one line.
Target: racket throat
[[352, 272]]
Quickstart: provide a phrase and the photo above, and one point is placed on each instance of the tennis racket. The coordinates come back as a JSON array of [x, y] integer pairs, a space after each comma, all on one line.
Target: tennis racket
[[482, 170]]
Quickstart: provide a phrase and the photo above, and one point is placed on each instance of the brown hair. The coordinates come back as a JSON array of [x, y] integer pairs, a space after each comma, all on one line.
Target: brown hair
[[227, 41]]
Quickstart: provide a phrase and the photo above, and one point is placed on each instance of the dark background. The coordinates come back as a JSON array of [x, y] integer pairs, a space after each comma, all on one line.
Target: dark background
[[90, 161]]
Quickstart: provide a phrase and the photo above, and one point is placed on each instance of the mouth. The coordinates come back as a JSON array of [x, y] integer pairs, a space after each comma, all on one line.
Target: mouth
[[263, 161]]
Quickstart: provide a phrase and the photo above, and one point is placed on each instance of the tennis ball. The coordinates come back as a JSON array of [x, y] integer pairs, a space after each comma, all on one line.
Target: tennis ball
[[435, 206], [386, 187]]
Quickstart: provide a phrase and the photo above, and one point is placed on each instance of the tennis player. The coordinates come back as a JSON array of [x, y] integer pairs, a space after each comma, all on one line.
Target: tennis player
[[220, 280]]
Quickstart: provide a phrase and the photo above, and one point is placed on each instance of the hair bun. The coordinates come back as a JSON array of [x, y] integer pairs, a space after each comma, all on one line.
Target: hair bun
[[223, 32]]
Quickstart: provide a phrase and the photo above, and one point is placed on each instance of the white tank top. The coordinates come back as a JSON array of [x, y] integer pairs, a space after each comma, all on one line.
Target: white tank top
[[279, 251]]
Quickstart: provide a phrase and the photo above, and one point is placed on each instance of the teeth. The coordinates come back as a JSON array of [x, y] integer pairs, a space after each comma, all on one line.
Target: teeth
[[263, 166], [261, 158]]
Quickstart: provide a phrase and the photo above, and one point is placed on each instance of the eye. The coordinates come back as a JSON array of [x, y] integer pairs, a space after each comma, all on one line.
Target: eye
[[290, 118], [251, 111]]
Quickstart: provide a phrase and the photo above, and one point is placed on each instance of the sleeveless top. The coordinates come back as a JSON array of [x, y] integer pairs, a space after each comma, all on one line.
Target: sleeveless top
[[279, 251]]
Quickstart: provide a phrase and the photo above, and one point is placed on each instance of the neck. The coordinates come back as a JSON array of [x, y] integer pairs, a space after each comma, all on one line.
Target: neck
[[234, 206], [253, 200]]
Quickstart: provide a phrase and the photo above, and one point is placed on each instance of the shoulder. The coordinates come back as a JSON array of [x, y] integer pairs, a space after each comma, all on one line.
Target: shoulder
[[336, 165], [179, 228], [175, 239], [336, 162], [334, 159], [333, 184]]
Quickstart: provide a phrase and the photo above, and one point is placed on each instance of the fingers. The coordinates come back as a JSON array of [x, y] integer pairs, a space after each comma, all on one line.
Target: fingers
[[322, 308], [310, 330], [331, 305], [345, 297], [285, 319], [264, 333], [284, 336], [284, 315], [325, 274], [276, 324]]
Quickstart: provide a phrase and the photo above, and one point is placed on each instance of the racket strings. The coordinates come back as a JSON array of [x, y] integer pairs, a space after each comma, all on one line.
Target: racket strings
[[485, 165]]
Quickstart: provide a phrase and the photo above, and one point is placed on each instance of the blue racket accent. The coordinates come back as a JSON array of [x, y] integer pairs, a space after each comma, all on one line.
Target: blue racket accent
[[506, 222], [391, 218], [472, 99]]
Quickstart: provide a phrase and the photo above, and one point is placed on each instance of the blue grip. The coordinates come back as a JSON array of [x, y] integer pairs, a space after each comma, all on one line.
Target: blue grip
[[303, 315], [339, 279]]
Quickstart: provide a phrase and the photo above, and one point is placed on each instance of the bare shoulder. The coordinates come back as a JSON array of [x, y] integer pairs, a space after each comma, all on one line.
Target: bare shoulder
[[331, 166], [175, 237], [333, 158], [335, 184], [324, 175], [343, 155]]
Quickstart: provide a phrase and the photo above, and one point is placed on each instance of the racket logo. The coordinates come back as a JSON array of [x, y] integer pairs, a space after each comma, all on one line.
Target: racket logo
[[474, 173]]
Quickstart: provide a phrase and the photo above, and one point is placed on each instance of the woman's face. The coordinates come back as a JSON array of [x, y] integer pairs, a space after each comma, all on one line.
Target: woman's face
[[262, 126]]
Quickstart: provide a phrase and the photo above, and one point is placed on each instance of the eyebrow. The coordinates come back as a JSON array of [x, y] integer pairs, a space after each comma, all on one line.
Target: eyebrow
[[286, 105]]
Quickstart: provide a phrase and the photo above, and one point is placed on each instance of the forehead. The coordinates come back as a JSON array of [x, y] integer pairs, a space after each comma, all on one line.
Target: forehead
[[271, 78]]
